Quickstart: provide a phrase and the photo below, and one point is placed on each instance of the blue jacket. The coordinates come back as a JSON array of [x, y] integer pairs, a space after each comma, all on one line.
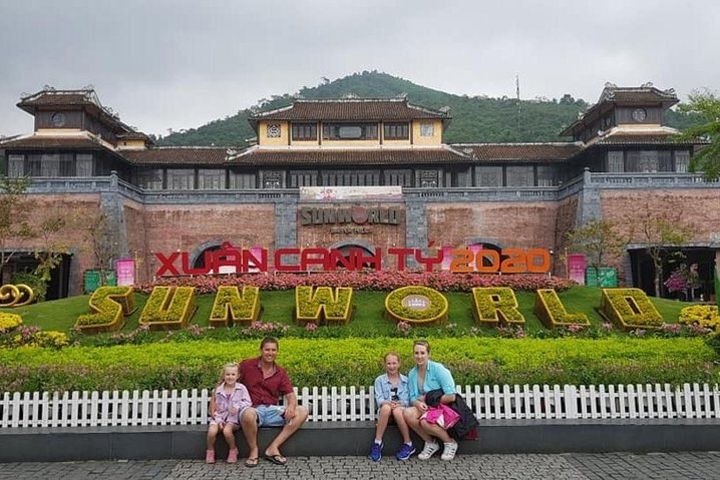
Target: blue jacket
[[436, 376]]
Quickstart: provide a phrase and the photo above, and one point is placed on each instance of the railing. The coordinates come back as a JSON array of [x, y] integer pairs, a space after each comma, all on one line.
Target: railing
[[645, 180], [461, 194], [329, 404]]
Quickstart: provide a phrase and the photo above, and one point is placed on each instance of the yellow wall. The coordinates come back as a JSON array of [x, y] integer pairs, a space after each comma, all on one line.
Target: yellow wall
[[279, 141], [131, 144], [436, 139]]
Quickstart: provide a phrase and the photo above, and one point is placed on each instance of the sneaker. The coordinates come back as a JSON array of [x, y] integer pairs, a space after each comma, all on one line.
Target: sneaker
[[449, 451], [209, 456], [376, 452], [429, 450], [232, 456], [405, 452]]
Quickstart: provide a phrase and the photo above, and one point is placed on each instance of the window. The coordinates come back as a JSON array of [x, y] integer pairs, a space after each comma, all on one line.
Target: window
[[272, 180], [242, 180], [351, 178], [644, 161], [34, 164], [545, 176], [398, 177], [682, 161], [427, 129], [303, 178], [304, 131], [50, 165], [488, 176], [211, 179], [616, 163], [396, 131], [16, 166], [428, 178], [150, 179], [341, 131], [180, 179], [67, 165], [273, 130], [664, 159], [84, 165], [520, 176]]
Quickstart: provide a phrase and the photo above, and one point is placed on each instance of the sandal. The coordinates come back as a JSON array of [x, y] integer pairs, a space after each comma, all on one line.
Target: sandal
[[252, 462], [276, 459]]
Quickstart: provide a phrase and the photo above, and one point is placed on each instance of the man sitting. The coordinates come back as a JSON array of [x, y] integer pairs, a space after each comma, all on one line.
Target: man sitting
[[266, 381]]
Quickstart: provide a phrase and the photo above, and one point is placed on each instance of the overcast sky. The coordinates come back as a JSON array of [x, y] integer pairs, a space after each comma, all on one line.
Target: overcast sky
[[180, 64]]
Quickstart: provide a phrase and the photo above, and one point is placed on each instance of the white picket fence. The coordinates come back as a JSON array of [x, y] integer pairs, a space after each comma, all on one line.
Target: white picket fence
[[82, 409]]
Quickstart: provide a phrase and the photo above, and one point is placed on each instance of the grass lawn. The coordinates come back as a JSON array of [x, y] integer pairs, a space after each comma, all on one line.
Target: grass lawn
[[368, 320]]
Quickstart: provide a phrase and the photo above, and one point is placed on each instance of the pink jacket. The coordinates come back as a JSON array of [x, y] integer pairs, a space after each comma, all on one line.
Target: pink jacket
[[238, 398]]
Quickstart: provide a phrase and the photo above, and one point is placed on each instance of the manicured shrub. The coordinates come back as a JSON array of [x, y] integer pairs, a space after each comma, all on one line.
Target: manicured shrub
[[552, 313], [629, 308], [354, 361], [169, 308], [109, 306], [496, 306], [323, 304], [705, 316], [232, 308], [434, 313]]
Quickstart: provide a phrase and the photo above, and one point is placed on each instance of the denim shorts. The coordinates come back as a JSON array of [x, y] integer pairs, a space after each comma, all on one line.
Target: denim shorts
[[270, 415]]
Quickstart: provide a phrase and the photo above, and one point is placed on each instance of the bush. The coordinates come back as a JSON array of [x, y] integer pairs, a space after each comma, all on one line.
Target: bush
[[616, 306], [109, 305], [552, 313], [703, 316], [496, 305], [367, 280], [323, 304], [169, 307], [232, 308], [435, 312], [353, 361], [39, 286]]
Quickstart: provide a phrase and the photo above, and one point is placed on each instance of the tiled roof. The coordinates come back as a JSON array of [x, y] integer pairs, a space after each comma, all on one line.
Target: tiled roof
[[519, 152], [49, 97], [645, 95], [41, 141], [627, 139], [178, 156], [351, 109], [261, 157]]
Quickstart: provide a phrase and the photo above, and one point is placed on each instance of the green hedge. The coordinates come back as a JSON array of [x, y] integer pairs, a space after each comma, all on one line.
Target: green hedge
[[353, 361]]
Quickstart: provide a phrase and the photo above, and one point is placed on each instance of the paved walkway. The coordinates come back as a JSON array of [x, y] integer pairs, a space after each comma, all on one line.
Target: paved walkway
[[626, 466]]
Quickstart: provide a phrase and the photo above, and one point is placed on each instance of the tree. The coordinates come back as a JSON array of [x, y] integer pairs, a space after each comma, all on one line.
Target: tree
[[598, 239], [101, 237], [706, 104], [22, 221], [662, 233], [14, 216]]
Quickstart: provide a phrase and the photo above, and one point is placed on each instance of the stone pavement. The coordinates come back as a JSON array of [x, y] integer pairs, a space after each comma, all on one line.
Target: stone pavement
[[585, 466]]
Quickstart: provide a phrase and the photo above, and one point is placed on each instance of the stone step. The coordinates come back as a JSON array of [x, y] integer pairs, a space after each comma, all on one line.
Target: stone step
[[354, 438]]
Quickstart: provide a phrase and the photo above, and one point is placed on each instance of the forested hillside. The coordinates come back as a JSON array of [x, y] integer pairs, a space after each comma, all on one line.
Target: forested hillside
[[475, 119]]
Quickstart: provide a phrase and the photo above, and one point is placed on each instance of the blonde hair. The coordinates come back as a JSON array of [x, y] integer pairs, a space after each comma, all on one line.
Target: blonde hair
[[394, 354], [225, 367]]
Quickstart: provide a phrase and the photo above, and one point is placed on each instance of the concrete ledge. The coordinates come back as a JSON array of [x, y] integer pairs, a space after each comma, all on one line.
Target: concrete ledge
[[353, 438]]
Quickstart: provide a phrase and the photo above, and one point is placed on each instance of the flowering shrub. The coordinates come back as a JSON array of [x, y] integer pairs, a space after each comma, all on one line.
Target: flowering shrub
[[629, 308], [265, 329], [14, 334], [511, 331], [496, 305], [323, 304], [169, 307], [232, 308], [366, 280], [552, 313], [704, 316], [9, 321], [109, 306], [435, 311]]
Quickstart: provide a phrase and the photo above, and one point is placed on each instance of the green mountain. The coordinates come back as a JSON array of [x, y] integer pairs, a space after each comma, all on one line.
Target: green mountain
[[475, 119]]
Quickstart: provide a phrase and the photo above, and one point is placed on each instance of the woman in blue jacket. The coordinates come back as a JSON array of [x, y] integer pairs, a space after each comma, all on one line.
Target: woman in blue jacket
[[425, 377]]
